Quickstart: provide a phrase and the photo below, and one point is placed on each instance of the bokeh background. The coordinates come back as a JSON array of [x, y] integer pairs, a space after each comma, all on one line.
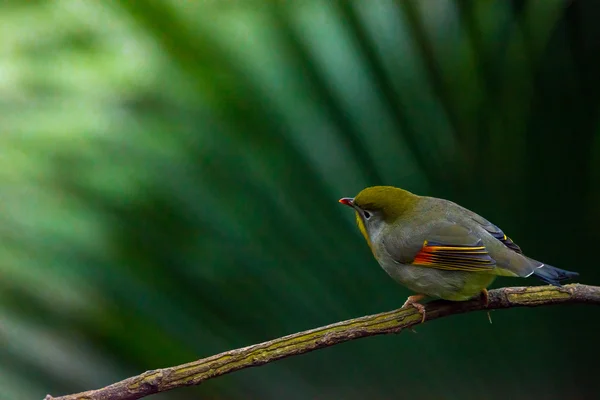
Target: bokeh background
[[170, 170]]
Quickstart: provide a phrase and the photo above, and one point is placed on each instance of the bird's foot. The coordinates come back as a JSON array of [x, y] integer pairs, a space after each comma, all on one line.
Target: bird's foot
[[486, 301], [414, 301], [485, 297]]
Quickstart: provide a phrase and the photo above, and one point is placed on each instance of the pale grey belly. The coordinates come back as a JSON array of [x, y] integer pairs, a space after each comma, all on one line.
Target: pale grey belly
[[449, 285]]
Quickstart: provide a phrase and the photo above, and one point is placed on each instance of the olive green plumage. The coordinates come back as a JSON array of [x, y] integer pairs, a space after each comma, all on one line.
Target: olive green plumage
[[438, 248]]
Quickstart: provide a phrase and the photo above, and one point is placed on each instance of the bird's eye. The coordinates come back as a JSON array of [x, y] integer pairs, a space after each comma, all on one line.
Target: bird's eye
[[367, 214]]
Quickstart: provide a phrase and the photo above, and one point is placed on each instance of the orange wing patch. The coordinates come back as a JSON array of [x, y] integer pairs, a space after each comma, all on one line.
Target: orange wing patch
[[454, 257]]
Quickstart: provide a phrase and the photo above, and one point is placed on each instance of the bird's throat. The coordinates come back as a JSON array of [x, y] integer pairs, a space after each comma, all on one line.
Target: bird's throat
[[363, 229]]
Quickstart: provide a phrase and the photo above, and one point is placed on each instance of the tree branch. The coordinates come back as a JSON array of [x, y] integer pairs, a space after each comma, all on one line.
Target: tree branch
[[194, 373]]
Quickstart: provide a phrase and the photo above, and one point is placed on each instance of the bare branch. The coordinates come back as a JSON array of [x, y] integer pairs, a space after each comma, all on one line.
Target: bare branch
[[194, 373]]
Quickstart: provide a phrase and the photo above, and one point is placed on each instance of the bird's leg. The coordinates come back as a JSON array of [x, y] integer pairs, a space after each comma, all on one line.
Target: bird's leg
[[414, 301], [485, 297], [486, 300]]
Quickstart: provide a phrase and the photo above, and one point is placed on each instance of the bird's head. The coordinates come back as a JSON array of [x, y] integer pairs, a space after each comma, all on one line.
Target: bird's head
[[379, 206]]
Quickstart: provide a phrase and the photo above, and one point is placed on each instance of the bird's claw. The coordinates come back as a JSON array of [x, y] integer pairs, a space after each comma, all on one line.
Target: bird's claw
[[486, 301], [414, 302], [485, 297]]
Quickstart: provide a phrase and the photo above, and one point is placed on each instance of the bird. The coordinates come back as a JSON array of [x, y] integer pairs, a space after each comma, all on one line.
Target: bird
[[439, 249]]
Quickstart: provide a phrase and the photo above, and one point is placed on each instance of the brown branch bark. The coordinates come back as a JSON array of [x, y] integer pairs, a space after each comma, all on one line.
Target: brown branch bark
[[196, 372]]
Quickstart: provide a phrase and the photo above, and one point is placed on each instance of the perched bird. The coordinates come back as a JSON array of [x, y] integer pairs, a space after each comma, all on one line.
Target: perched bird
[[437, 248]]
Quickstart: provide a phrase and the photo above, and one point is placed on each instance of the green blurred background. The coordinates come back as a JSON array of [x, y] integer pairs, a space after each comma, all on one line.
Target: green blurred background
[[170, 170]]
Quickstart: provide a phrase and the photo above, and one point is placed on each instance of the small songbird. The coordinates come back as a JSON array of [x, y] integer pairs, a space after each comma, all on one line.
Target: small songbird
[[437, 248]]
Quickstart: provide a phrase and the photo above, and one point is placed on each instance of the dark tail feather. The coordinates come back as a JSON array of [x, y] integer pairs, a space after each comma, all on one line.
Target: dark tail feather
[[553, 275]]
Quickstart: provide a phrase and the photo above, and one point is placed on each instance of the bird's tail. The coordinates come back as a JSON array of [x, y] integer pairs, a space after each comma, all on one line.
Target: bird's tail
[[553, 275]]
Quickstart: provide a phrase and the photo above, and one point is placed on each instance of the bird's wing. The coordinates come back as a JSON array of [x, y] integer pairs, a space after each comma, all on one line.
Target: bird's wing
[[515, 263], [449, 246], [496, 232]]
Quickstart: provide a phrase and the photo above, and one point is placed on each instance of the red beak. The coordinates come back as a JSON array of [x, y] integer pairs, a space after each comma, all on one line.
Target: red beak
[[348, 201]]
